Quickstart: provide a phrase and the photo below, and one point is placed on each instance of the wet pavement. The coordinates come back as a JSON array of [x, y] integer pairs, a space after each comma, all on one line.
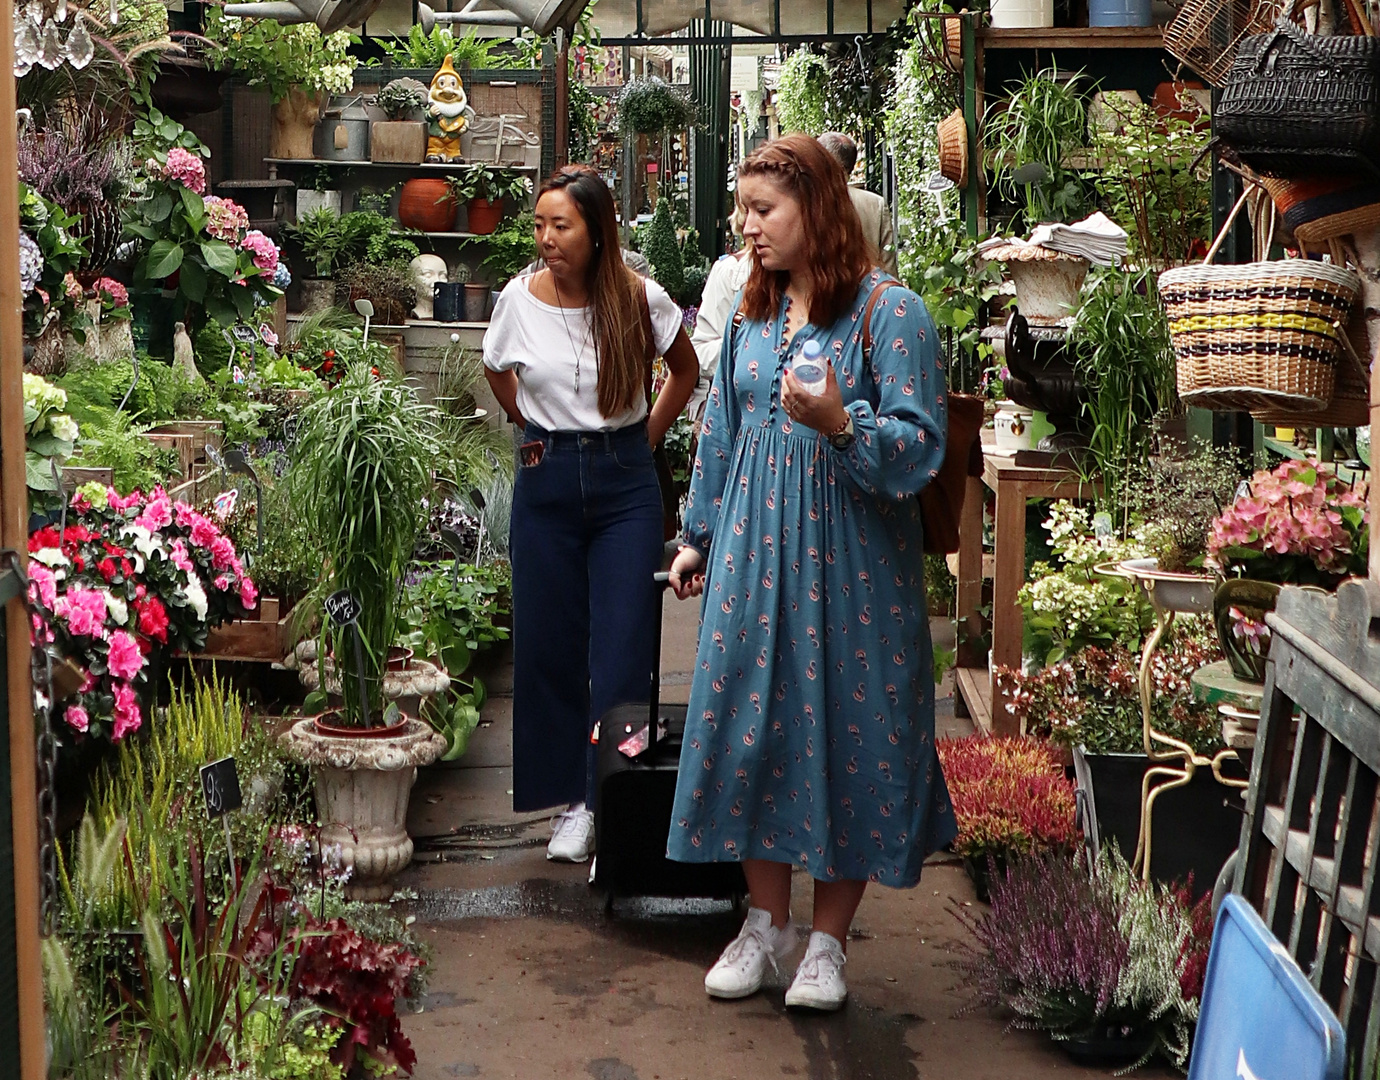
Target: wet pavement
[[532, 978]]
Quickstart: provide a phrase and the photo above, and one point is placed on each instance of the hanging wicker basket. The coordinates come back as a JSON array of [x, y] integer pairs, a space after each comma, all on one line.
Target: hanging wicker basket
[[953, 148], [1350, 404], [1206, 34], [953, 43], [1260, 336]]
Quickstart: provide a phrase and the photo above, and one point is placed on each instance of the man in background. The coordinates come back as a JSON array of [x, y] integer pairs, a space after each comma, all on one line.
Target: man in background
[[872, 209]]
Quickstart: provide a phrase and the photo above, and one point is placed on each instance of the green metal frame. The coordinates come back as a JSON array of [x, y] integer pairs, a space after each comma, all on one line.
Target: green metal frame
[[10, 587]]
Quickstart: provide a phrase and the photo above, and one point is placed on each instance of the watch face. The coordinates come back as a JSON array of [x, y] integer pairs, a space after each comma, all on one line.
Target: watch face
[[841, 442]]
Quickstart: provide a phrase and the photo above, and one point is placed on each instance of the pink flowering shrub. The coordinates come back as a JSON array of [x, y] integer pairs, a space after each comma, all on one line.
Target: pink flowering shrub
[[182, 168], [1297, 524], [264, 250], [225, 219], [128, 583], [114, 298]]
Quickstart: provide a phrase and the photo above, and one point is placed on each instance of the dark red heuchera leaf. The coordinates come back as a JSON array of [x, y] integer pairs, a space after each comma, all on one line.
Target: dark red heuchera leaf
[[351, 976]]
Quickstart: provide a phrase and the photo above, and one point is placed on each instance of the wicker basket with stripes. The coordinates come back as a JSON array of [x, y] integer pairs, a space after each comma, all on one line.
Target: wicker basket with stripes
[[1258, 336]]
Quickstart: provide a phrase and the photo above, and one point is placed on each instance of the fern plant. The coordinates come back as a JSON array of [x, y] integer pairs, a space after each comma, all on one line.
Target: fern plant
[[801, 91]]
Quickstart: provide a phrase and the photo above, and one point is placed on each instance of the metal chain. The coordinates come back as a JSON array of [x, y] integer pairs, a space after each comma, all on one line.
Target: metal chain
[[41, 682]]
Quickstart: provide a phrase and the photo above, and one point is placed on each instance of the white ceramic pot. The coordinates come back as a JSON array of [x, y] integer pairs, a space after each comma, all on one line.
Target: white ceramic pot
[[309, 201], [1047, 289], [1013, 428], [362, 786], [1018, 14]]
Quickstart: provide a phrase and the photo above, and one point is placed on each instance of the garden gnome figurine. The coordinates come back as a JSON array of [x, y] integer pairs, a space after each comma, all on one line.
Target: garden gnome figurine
[[182, 353], [427, 270], [449, 114]]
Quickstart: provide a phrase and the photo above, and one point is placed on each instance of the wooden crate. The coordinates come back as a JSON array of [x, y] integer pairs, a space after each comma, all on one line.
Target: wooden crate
[[264, 637]]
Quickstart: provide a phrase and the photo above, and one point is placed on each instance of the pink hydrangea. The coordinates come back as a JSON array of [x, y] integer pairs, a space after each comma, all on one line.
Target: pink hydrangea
[[264, 250], [225, 219], [186, 169], [84, 610], [125, 660], [113, 291], [77, 718], [127, 715]]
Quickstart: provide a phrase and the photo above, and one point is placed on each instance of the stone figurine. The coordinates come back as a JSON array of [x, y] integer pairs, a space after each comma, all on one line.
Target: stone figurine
[[427, 270], [182, 352], [448, 114]]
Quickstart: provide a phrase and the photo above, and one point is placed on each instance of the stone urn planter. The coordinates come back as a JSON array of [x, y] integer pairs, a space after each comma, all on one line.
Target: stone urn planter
[[363, 780], [412, 683], [294, 124]]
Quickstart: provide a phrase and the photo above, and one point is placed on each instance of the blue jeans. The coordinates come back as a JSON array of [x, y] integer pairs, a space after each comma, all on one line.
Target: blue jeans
[[585, 540]]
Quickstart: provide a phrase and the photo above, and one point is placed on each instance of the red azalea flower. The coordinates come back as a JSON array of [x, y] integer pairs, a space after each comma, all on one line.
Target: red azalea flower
[[76, 533], [326, 367], [107, 569], [153, 619], [111, 549], [127, 567], [45, 537]]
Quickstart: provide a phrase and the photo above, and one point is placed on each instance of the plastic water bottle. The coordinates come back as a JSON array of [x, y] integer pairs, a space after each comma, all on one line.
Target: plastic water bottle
[[809, 368]]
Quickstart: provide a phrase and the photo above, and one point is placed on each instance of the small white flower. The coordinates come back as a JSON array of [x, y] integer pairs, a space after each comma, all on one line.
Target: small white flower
[[196, 596], [119, 610], [50, 557], [64, 427]]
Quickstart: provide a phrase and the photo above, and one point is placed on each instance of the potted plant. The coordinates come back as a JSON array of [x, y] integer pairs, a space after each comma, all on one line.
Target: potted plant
[[323, 241], [363, 468], [402, 137], [298, 65], [114, 338], [1010, 798], [1294, 525], [1109, 967], [507, 251], [388, 285], [483, 188], [657, 241], [320, 192]]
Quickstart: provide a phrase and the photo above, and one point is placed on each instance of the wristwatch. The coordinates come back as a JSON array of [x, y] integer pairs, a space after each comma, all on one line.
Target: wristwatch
[[841, 438]]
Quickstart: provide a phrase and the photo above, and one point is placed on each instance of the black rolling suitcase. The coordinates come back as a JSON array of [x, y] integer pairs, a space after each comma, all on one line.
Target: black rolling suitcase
[[637, 762]]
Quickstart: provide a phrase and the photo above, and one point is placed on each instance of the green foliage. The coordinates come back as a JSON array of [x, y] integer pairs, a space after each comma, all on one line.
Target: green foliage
[[162, 393], [52, 229], [800, 93], [281, 57], [364, 456], [658, 243], [1156, 180], [1121, 339], [422, 50], [508, 249], [156, 134], [454, 612], [584, 121], [331, 240], [650, 106], [491, 182], [1037, 127], [112, 441], [402, 99]]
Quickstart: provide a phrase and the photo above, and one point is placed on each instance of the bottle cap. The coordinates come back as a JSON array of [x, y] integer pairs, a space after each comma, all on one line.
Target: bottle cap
[[811, 350]]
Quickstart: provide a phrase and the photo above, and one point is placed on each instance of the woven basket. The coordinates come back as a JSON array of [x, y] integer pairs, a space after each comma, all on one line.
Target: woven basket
[[1350, 404], [1323, 208], [1205, 34], [1257, 337], [953, 148], [953, 43]]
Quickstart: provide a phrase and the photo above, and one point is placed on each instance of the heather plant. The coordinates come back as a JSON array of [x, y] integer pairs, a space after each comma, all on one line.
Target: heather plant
[[1092, 698], [1010, 797], [1082, 952], [1295, 524]]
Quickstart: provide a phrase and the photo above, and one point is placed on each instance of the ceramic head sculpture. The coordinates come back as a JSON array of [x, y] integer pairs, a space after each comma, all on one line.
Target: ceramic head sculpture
[[448, 113], [427, 270]]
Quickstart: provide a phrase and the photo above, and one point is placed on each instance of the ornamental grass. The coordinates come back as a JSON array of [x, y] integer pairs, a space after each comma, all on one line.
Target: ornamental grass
[[1009, 796]]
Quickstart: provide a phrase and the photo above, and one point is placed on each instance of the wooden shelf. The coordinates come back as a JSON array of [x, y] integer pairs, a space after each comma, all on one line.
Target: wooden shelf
[[1074, 37], [425, 166]]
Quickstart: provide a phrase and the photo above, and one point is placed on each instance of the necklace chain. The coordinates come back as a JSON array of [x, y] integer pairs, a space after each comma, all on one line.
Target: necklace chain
[[570, 337]]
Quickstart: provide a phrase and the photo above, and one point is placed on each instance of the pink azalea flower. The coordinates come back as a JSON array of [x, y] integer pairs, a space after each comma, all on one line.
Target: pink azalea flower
[[224, 582], [76, 718], [127, 715], [157, 514], [118, 504], [178, 553], [184, 515], [249, 593], [125, 659], [42, 585], [84, 610], [204, 533], [222, 552]]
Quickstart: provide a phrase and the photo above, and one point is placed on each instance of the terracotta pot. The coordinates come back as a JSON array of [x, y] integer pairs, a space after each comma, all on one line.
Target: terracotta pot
[[426, 203], [294, 124], [1242, 604], [476, 301], [485, 215], [325, 726], [399, 657]]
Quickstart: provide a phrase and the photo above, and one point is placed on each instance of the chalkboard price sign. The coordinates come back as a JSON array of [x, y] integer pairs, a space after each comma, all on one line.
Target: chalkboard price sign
[[220, 784], [342, 608], [245, 335]]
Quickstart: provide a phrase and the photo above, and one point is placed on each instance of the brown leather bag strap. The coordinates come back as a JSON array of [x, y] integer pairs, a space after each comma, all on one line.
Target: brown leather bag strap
[[871, 305]]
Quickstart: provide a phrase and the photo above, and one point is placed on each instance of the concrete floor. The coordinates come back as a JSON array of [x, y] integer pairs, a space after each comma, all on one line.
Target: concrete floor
[[531, 979]]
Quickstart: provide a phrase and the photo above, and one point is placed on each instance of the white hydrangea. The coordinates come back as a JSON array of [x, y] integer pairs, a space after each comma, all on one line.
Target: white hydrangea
[[334, 78]]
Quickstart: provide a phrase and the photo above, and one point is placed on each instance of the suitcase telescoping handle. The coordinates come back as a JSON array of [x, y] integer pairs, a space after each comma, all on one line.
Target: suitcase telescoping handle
[[663, 580]]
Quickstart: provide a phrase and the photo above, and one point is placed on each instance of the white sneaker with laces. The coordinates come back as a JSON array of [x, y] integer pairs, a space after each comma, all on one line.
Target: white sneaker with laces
[[572, 835], [740, 968], [818, 982]]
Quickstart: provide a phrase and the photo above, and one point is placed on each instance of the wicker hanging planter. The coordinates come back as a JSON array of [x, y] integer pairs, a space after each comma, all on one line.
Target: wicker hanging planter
[[953, 148]]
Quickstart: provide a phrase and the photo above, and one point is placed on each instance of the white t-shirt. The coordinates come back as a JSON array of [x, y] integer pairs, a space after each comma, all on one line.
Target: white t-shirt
[[541, 341]]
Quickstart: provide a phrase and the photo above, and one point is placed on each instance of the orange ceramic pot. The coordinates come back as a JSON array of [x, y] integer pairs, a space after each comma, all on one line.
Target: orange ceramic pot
[[485, 215], [427, 204]]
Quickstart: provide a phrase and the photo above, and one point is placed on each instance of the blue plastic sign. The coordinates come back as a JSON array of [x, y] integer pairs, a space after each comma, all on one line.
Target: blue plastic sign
[[1261, 1019]]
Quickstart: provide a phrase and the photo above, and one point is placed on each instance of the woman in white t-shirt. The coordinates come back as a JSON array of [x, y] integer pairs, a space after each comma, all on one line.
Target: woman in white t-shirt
[[568, 357]]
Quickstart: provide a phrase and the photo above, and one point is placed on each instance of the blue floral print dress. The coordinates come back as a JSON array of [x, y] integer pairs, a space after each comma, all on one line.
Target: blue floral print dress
[[810, 735]]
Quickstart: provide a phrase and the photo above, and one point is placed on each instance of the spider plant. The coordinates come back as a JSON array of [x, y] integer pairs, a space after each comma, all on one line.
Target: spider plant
[[1030, 135], [365, 455]]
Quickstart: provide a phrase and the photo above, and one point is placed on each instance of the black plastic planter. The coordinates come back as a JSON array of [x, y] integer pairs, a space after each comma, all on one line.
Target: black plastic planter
[[1195, 827]]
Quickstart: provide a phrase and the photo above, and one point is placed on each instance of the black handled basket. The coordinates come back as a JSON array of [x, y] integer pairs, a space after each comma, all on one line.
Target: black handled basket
[[1298, 105]]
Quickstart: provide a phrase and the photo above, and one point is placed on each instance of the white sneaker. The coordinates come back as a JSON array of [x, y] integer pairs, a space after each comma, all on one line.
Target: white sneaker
[[818, 981], [741, 967], [572, 835]]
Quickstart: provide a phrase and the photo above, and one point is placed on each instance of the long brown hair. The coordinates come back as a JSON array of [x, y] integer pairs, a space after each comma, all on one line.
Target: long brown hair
[[837, 254], [620, 331]]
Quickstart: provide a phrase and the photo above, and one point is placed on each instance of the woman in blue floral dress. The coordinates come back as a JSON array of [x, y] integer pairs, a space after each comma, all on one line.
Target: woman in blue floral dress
[[810, 738]]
